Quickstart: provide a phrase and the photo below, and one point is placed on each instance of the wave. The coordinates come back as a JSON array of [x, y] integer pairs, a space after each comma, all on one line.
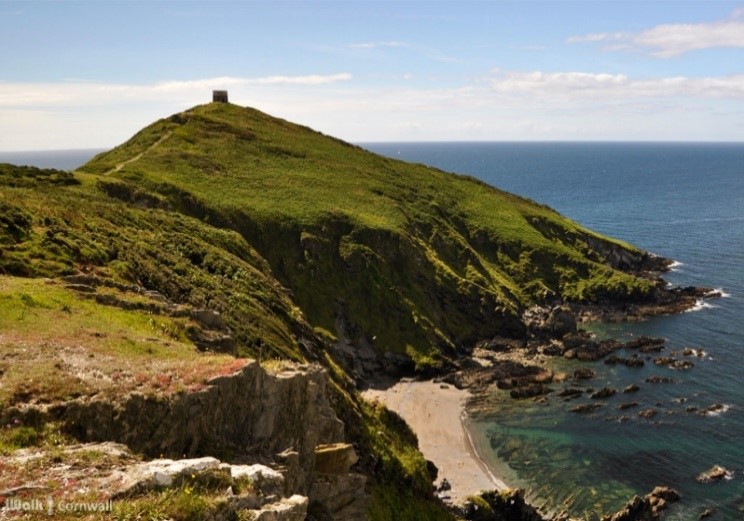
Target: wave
[[717, 410], [701, 304], [674, 266]]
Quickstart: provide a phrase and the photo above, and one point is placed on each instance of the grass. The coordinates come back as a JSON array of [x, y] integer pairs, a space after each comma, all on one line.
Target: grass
[[449, 258], [57, 345]]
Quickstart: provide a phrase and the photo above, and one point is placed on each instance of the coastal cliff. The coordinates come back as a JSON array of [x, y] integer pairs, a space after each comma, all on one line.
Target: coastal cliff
[[220, 285]]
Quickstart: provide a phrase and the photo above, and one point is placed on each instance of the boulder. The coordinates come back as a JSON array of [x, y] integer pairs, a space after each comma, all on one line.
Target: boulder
[[164, 473], [561, 322], [335, 458], [264, 479]]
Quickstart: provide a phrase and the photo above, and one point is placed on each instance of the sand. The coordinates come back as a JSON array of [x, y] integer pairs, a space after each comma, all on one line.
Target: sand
[[436, 413]]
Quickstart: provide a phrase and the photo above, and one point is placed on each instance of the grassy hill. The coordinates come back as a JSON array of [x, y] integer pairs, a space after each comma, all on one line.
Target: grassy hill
[[402, 256], [111, 277]]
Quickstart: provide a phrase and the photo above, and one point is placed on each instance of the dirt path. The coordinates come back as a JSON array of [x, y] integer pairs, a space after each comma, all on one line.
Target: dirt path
[[138, 156]]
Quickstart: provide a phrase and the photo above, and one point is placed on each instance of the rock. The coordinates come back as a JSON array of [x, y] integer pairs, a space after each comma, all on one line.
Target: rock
[[707, 513], [263, 479], [289, 509], [682, 364], [713, 475], [666, 493], [163, 473], [561, 322], [663, 360], [570, 393], [444, 486], [81, 288], [552, 350], [627, 405], [659, 380], [605, 392], [632, 388], [586, 407], [499, 505], [529, 391], [209, 319], [714, 409], [646, 508], [335, 458], [584, 373], [648, 413], [633, 361], [646, 344], [432, 470], [342, 496]]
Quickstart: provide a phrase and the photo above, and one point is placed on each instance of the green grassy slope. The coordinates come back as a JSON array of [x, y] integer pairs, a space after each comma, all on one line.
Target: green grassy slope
[[413, 259]]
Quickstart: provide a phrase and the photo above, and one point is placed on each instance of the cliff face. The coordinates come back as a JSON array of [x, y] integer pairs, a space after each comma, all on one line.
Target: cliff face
[[281, 423]]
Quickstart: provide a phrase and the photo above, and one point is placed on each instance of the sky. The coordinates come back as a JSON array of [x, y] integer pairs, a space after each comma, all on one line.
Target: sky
[[91, 74]]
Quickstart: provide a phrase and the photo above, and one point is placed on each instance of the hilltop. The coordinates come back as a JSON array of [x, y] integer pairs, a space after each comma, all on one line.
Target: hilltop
[[136, 291]]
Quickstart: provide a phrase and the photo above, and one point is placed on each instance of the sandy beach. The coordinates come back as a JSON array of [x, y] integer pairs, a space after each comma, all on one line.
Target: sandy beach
[[436, 412]]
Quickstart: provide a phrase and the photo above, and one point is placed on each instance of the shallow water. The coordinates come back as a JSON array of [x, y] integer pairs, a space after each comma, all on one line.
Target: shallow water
[[682, 201]]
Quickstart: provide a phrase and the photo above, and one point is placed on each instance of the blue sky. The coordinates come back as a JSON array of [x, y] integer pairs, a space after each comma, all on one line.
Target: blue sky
[[90, 74]]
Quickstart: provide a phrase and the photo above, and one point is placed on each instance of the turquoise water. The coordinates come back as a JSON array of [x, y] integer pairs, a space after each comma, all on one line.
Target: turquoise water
[[682, 201]]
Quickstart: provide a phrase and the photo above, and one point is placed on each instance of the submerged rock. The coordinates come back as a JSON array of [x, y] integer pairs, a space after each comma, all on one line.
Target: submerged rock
[[584, 374], [605, 392], [586, 407]]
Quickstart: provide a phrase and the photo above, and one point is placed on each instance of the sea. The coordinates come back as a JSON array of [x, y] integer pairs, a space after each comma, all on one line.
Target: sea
[[683, 201]]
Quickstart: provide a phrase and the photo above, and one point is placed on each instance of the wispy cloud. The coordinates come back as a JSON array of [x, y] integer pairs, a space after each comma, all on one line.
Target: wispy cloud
[[670, 40], [73, 92], [578, 86], [503, 104], [378, 45], [231, 81]]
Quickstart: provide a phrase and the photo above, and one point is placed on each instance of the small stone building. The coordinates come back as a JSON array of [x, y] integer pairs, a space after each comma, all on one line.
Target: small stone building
[[219, 96]]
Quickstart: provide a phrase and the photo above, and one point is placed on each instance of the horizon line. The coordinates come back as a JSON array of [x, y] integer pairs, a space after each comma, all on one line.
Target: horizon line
[[447, 141]]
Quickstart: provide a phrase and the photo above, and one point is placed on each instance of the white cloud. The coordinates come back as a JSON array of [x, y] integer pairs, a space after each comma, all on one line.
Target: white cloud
[[577, 86], [597, 37], [670, 40], [509, 105], [91, 93]]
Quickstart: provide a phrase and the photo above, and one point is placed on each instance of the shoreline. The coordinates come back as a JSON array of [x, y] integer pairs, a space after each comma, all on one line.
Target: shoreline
[[436, 413]]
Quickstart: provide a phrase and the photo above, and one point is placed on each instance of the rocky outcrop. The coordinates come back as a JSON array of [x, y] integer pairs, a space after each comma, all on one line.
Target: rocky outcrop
[[499, 506], [281, 422], [714, 474], [647, 508]]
